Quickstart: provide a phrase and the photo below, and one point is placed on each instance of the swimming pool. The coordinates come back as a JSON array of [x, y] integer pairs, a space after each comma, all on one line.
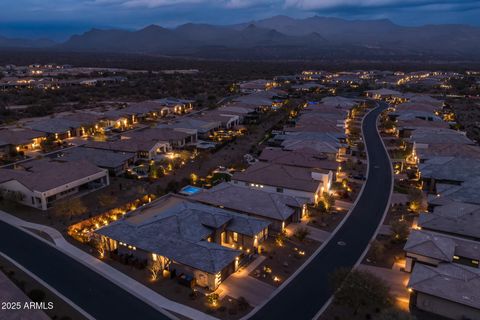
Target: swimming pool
[[190, 190]]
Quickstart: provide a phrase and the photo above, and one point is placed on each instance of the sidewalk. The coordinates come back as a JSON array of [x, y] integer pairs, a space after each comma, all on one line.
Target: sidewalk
[[132, 286]]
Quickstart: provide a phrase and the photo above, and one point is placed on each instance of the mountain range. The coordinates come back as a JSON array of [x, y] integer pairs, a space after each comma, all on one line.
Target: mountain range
[[280, 37]]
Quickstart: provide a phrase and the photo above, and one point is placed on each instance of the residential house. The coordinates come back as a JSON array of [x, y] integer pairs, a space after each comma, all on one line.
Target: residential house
[[39, 183], [433, 248], [448, 150], [115, 162], [192, 239], [386, 94], [143, 149], [227, 120], [175, 137], [330, 143], [456, 219], [294, 181], [447, 171], [176, 105], [406, 127], [279, 209], [306, 158], [19, 139], [71, 125], [448, 290], [204, 128], [255, 85]]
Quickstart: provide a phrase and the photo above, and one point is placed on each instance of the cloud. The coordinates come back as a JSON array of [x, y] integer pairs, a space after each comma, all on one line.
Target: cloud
[[329, 4]]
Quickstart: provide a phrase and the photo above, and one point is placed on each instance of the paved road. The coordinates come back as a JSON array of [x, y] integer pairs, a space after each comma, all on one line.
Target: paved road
[[305, 295], [93, 293]]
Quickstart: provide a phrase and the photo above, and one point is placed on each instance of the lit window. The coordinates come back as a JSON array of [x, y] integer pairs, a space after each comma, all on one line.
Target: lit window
[[456, 257], [235, 236], [154, 257], [475, 262]]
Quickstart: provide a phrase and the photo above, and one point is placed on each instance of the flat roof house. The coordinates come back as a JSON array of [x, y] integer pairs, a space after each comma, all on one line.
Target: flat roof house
[[449, 290], [39, 183], [279, 209], [283, 179], [189, 238]]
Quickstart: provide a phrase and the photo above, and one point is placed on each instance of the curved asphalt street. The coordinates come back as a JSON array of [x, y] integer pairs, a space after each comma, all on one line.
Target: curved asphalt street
[[99, 297], [307, 293]]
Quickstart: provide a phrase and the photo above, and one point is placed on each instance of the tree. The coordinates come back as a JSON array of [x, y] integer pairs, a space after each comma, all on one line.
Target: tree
[[155, 268], [400, 230], [360, 290], [107, 200], [70, 208], [301, 233], [377, 249], [328, 200], [418, 202]]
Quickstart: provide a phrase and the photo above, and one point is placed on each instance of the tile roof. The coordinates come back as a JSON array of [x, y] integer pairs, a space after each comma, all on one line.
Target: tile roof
[[18, 136], [99, 157], [43, 175], [453, 282], [439, 136], [445, 150], [265, 204], [450, 168], [177, 228], [455, 218], [304, 158], [278, 175], [124, 145], [159, 134]]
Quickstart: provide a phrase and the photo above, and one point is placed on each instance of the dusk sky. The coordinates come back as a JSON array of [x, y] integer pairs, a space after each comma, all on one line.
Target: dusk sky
[[58, 19]]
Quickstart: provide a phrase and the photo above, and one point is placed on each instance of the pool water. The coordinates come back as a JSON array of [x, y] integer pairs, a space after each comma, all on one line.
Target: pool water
[[189, 190]]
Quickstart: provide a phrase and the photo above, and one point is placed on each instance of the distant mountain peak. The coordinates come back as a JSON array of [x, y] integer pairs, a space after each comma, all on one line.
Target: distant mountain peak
[[311, 37], [152, 27]]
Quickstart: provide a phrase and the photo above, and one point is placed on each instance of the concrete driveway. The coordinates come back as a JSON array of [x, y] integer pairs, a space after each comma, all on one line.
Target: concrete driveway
[[240, 284]]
